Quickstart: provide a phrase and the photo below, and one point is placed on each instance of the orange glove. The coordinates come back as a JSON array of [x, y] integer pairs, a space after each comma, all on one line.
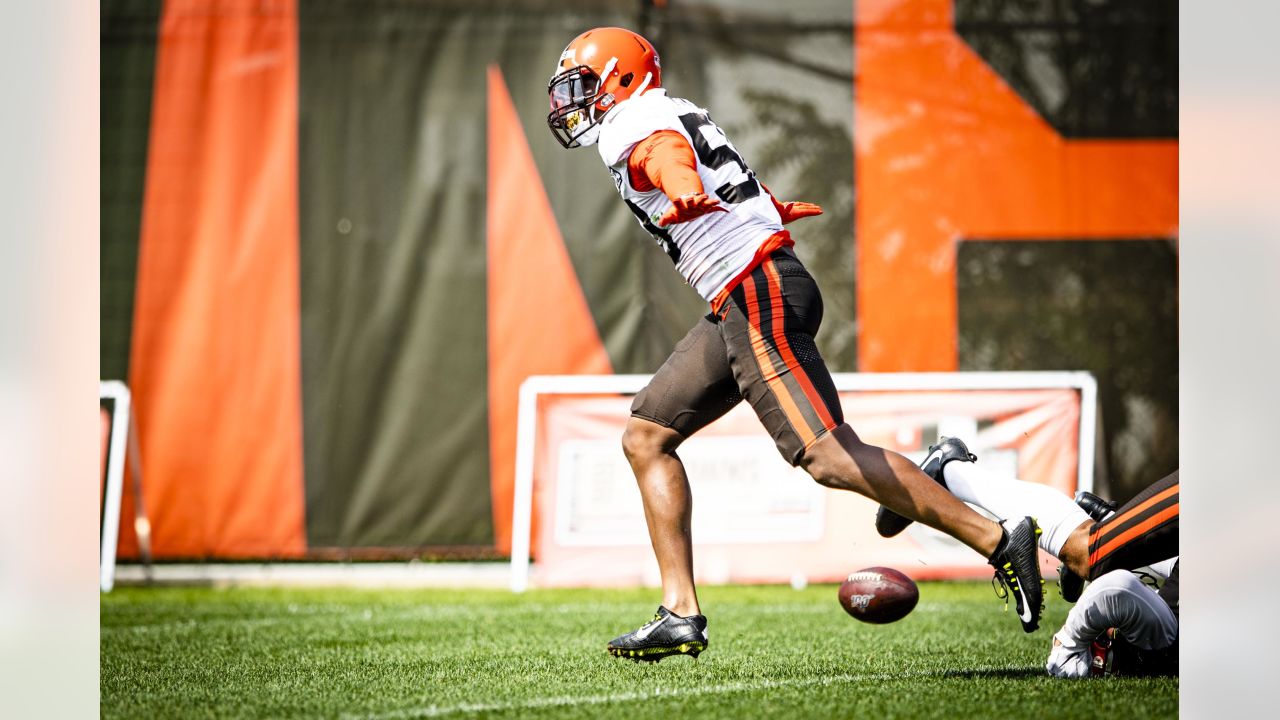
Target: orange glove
[[795, 210], [688, 207], [792, 210]]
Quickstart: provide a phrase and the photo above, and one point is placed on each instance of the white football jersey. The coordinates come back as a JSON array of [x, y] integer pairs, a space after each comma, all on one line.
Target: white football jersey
[[711, 250]]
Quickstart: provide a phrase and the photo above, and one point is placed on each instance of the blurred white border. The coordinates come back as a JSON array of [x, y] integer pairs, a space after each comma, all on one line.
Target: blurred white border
[[1229, 376], [49, 427], [1230, 343]]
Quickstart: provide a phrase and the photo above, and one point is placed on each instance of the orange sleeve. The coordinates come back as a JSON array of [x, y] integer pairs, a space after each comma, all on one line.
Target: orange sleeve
[[664, 160]]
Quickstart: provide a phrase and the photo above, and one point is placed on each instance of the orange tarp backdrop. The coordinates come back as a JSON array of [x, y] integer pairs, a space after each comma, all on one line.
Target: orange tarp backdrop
[[215, 359], [539, 322], [945, 150]]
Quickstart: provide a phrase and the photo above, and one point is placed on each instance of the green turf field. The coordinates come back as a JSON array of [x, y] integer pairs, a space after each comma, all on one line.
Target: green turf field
[[775, 652]]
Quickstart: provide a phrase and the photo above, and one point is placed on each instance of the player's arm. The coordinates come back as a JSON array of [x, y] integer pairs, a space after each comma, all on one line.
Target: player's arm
[[665, 161], [794, 210]]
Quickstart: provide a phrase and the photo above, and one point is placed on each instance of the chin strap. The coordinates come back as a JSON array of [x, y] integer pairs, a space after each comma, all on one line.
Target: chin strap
[[607, 99], [608, 69], [644, 84]]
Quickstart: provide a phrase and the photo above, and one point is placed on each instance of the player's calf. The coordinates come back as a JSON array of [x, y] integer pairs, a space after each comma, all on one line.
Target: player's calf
[[890, 523], [1070, 582]]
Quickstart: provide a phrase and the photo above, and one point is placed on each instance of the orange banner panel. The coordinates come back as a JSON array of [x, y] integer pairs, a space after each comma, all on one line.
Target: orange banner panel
[[539, 322], [946, 150], [215, 356]]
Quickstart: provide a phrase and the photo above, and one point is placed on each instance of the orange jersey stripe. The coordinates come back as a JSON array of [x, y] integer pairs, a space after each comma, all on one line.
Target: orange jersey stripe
[[1098, 555], [784, 347], [761, 350], [1114, 523]]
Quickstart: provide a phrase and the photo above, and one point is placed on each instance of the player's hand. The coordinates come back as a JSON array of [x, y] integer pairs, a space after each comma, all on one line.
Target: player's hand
[[792, 211], [690, 206]]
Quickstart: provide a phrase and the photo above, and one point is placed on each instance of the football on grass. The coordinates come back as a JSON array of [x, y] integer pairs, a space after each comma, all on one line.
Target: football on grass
[[878, 595]]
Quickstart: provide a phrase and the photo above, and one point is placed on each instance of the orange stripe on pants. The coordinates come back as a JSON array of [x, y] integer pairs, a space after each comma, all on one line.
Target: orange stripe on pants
[[1113, 524], [1150, 523], [761, 351], [784, 347]]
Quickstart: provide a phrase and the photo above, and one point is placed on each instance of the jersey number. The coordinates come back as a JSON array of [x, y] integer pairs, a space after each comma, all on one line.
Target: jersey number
[[719, 156], [662, 236]]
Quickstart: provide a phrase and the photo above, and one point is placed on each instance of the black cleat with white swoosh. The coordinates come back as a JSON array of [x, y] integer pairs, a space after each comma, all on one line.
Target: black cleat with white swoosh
[[1017, 565], [665, 635]]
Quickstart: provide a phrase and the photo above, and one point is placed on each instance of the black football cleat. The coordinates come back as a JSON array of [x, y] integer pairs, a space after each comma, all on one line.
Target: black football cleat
[[665, 635], [890, 523], [1095, 507], [1017, 565]]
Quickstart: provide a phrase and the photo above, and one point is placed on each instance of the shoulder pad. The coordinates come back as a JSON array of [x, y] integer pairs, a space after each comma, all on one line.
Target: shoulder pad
[[633, 121]]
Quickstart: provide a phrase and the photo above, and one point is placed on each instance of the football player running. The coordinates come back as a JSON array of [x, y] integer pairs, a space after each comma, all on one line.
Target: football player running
[[1120, 626], [723, 230]]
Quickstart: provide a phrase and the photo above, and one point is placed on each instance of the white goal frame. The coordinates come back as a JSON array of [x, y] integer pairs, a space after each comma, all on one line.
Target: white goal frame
[[122, 401], [536, 385]]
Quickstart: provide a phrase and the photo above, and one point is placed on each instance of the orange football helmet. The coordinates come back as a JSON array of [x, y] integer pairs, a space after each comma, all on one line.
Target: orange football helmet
[[599, 69]]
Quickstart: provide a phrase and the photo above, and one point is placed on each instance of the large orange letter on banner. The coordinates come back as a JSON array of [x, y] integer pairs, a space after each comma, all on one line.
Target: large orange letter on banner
[[944, 150], [539, 322], [215, 356]]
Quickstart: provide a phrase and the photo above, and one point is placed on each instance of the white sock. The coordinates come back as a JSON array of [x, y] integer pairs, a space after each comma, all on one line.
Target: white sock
[[1057, 514], [1163, 568]]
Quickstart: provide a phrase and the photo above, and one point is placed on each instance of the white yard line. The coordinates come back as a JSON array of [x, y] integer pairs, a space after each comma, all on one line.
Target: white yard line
[[428, 711]]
